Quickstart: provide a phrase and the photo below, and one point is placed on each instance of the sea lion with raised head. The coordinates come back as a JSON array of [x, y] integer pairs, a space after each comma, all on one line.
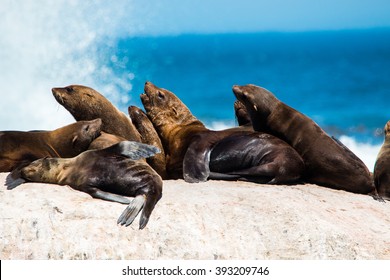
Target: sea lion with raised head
[[196, 153], [85, 103], [382, 166], [109, 174], [327, 163], [19, 148], [149, 136]]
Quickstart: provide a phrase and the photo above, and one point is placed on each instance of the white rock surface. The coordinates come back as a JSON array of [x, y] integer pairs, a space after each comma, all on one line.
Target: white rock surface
[[212, 220]]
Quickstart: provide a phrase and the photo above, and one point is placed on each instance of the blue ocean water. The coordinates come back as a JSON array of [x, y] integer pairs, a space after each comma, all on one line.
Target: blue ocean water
[[341, 79]]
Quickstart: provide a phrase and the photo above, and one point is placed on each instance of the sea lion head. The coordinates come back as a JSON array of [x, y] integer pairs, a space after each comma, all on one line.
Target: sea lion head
[[82, 135], [73, 96], [164, 108], [258, 101], [40, 170]]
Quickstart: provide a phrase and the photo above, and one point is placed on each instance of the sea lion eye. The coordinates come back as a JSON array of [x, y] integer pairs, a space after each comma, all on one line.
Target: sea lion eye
[[69, 89]]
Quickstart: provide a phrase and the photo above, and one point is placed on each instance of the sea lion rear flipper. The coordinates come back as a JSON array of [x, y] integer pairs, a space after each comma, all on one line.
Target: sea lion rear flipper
[[12, 183], [96, 193], [14, 179], [196, 163], [131, 149], [132, 210]]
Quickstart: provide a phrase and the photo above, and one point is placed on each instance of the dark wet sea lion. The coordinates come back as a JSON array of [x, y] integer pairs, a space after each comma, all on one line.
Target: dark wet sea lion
[[190, 153], [19, 148], [85, 103], [327, 162], [109, 174], [149, 136], [382, 166]]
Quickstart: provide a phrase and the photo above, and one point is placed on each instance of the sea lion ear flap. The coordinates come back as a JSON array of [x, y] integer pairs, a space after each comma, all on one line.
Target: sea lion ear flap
[[175, 111], [74, 141]]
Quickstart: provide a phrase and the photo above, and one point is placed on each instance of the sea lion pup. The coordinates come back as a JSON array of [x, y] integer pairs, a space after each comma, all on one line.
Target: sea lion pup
[[196, 153], [85, 103], [382, 166], [149, 136], [19, 148], [108, 174], [328, 163]]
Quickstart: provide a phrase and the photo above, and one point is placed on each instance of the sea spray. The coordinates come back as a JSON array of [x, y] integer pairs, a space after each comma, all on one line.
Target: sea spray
[[56, 43]]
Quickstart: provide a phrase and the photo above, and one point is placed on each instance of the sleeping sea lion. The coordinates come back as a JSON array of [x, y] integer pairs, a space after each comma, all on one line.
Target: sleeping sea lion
[[109, 174], [327, 163], [19, 148]]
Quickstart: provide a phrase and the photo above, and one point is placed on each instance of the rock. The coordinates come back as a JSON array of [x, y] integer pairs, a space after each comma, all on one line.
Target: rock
[[211, 220]]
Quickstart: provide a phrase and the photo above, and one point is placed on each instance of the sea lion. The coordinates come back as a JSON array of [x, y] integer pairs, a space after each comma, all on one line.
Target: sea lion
[[196, 153], [85, 103], [327, 162], [108, 174], [149, 136], [382, 166], [19, 148]]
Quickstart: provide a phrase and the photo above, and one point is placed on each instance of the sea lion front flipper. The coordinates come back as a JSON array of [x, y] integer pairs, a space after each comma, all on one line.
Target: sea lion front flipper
[[132, 210], [131, 149], [96, 193], [196, 162]]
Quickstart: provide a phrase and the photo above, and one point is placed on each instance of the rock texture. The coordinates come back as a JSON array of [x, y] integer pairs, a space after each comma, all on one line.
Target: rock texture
[[212, 220]]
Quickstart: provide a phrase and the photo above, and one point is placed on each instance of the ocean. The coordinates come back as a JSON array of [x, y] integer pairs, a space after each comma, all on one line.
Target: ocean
[[340, 79]]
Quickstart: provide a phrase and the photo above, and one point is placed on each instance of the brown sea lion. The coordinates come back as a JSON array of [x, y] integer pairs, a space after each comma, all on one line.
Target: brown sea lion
[[109, 174], [328, 163], [19, 148], [149, 136], [196, 153], [382, 166], [85, 103]]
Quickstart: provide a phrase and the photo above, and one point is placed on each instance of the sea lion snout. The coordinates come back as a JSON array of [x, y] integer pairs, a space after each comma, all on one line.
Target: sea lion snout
[[387, 128], [237, 89]]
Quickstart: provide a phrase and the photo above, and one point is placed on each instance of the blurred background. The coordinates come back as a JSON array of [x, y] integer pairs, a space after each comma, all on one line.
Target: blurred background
[[328, 59]]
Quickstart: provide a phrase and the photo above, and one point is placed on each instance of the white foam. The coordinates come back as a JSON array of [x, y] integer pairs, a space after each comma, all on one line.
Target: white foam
[[365, 151], [47, 44]]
